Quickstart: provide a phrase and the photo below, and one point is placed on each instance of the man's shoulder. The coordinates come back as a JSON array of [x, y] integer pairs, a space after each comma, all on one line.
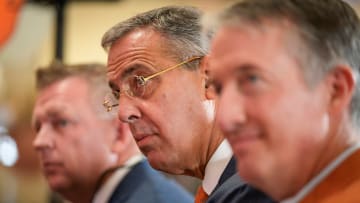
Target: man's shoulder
[[235, 190], [144, 184], [341, 185], [231, 188]]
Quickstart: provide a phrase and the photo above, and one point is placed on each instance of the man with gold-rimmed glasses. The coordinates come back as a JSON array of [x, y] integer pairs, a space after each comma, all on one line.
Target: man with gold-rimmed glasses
[[135, 86], [156, 71]]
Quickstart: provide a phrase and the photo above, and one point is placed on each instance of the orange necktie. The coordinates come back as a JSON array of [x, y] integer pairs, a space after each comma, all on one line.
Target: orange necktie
[[201, 195]]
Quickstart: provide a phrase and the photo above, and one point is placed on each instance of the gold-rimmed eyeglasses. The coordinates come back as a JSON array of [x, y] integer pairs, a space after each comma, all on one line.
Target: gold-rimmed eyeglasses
[[138, 86]]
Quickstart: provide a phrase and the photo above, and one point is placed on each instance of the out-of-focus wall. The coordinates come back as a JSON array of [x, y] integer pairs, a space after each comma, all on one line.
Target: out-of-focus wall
[[88, 22], [24, 50]]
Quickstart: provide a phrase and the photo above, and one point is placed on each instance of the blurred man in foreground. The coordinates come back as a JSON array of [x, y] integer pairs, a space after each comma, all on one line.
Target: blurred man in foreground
[[286, 76]]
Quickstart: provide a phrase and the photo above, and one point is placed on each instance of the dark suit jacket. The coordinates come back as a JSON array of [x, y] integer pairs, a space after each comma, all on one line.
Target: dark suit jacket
[[231, 189], [144, 185]]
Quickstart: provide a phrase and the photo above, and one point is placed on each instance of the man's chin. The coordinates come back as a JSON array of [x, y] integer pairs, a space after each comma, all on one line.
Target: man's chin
[[152, 158], [164, 164], [155, 160], [58, 184]]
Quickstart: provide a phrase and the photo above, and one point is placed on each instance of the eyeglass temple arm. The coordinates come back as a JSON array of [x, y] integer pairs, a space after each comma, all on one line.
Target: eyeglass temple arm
[[144, 79], [109, 106]]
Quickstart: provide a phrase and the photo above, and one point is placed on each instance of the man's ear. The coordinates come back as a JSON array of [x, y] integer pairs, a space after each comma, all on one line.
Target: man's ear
[[204, 67], [342, 84]]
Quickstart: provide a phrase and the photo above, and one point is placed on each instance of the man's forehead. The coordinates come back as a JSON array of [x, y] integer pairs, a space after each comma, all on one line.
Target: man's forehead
[[73, 85], [234, 44], [50, 103], [141, 52], [133, 41], [48, 108], [63, 92]]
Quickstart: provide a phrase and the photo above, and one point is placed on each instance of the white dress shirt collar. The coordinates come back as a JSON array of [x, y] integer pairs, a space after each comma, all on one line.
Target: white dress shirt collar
[[216, 166], [106, 190]]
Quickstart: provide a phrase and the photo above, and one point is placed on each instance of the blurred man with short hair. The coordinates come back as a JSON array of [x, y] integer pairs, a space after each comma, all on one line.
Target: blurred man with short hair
[[86, 154]]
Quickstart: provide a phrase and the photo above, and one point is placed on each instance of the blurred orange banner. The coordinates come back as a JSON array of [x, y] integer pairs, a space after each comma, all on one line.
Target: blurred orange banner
[[9, 10]]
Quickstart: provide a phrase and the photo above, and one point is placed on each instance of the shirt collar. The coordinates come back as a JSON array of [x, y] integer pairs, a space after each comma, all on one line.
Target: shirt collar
[[106, 190], [216, 166], [322, 175]]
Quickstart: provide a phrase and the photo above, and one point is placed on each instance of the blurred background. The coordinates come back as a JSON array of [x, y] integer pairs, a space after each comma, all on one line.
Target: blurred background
[[32, 34]]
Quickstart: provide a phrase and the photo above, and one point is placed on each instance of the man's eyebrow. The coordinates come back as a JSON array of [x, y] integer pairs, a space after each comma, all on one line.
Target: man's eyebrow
[[241, 69], [247, 67], [52, 114], [131, 69], [128, 71], [112, 85]]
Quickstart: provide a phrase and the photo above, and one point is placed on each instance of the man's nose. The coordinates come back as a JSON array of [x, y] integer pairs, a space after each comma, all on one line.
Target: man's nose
[[231, 110], [43, 139], [128, 111]]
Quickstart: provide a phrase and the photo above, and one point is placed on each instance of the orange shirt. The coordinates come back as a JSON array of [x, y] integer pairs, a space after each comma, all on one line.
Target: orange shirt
[[342, 184]]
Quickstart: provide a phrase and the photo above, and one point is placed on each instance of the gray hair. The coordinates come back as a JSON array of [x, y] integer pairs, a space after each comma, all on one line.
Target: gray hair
[[179, 25], [93, 74], [327, 31]]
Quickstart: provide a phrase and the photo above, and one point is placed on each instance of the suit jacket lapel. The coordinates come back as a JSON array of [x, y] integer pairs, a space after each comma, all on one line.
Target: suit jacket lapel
[[229, 171]]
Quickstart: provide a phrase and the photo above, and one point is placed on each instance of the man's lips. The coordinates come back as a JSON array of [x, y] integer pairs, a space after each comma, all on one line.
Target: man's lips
[[139, 137], [243, 134], [145, 142], [141, 132], [243, 141], [51, 166]]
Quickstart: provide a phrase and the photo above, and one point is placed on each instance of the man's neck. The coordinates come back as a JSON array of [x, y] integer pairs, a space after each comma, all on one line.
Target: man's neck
[[336, 144], [208, 149], [79, 196]]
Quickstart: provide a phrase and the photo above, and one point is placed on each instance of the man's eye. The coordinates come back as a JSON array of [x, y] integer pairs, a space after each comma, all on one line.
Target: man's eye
[[252, 78], [248, 79], [37, 127], [250, 83], [116, 94], [139, 80], [218, 88], [61, 123], [214, 87]]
